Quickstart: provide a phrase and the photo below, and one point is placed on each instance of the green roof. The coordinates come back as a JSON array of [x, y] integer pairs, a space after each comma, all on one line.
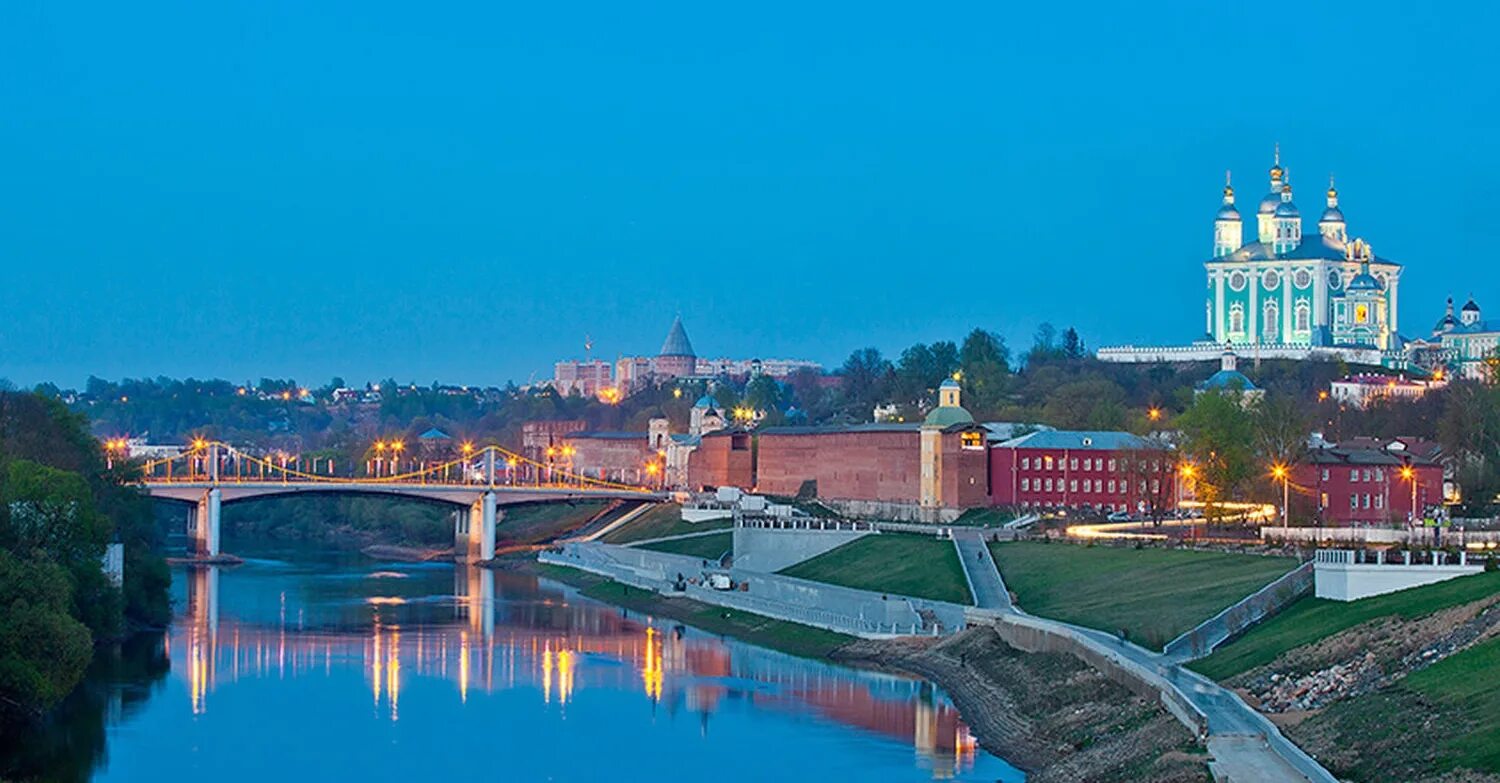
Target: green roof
[[947, 416]]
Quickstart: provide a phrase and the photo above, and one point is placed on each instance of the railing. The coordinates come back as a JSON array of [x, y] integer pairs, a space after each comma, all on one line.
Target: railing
[[212, 462]]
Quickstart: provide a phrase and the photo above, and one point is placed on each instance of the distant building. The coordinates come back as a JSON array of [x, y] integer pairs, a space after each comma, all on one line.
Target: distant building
[[1359, 390], [676, 359], [1463, 346], [539, 436], [1229, 380], [1290, 295], [586, 378]]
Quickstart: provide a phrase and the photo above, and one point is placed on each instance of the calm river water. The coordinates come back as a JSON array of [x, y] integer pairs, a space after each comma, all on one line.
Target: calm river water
[[304, 665]]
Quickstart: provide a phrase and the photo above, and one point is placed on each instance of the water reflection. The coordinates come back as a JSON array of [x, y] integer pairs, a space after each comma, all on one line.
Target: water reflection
[[298, 637]]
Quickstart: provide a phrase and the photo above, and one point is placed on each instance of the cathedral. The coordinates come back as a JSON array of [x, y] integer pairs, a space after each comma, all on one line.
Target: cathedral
[[1283, 292], [1287, 288]]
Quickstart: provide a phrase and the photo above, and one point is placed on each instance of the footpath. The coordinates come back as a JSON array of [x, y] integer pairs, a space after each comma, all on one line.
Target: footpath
[[1245, 745]]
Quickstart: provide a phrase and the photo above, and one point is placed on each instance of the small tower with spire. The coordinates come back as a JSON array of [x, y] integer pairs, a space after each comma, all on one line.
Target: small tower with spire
[[1229, 230], [1265, 215], [1331, 225], [1287, 222]]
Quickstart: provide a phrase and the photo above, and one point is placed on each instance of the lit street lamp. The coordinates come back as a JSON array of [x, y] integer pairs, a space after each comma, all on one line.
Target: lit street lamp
[[1408, 473], [1283, 475]]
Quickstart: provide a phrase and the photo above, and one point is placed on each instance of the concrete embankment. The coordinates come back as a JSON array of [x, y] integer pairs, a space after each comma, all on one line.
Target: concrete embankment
[[1047, 713]]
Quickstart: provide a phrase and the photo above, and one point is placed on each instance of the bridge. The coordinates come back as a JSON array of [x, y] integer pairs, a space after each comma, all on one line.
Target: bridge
[[477, 485]]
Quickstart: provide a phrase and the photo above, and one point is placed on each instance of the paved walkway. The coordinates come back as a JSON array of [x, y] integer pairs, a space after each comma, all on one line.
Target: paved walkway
[[1245, 744], [984, 579]]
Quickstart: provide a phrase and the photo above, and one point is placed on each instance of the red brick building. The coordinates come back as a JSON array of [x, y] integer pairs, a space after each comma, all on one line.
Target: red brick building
[[1101, 471], [722, 459], [611, 456], [862, 462], [1364, 481]]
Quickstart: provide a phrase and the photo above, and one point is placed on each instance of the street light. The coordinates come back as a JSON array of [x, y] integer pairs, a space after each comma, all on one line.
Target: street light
[[1279, 472], [1154, 413], [396, 448], [1408, 473]]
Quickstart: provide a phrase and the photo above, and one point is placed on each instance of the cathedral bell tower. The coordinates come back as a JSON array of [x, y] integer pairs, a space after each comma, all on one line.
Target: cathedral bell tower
[[1229, 230]]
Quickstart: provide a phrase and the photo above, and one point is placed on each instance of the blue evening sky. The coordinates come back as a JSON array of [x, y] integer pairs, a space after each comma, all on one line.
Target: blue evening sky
[[462, 191]]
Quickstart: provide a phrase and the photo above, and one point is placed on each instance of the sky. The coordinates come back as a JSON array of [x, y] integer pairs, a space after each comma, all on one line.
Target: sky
[[464, 191]]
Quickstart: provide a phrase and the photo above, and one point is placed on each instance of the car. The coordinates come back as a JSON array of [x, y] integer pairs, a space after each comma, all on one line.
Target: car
[[1119, 516]]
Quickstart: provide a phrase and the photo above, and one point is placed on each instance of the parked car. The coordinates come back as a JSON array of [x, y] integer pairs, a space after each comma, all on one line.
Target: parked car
[[1119, 516]]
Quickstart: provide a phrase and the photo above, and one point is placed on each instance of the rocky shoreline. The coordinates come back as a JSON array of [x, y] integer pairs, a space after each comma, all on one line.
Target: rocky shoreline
[[1047, 713]]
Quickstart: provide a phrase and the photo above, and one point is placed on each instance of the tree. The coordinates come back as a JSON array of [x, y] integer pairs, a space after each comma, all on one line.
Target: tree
[[1072, 344], [867, 380], [1281, 429], [1151, 472], [984, 364], [1218, 441]]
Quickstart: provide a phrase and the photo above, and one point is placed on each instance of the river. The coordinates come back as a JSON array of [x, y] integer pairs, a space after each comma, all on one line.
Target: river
[[312, 665]]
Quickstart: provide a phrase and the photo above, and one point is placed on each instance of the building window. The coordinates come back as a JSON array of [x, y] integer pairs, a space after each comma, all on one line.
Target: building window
[[1271, 323], [1353, 502], [1379, 474], [1236, 319], [1111, 486], [1367, 500], [1302, 318], [1353, 474], [1361, 313], [1098, 485], [1026, 464], [1155, 486], [1325, 478], [1049, 485], [1365, 476], [1073, 485], [1302, 278], [1073, 464], [1380, 501], [1111, 464], [1048, 458], [1237, 281], [1025, 485], [971, 440]]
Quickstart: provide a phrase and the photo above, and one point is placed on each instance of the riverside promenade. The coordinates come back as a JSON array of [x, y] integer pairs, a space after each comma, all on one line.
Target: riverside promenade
[[1245, 745]]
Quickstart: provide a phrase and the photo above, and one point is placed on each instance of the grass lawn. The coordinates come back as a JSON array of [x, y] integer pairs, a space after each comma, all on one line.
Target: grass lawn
[[708, 547], [920, 566], [980, 517], [1154, 594], [663, 519], [537, 522], [788, 637], [1311, 619], [1466, 683]]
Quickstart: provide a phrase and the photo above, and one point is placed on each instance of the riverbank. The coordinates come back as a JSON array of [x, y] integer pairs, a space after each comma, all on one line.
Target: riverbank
[[800, 640], [1047, 713]]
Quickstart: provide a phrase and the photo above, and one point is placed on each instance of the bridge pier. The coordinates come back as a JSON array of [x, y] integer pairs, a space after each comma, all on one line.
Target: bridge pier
[[479, 524], [203, 523]]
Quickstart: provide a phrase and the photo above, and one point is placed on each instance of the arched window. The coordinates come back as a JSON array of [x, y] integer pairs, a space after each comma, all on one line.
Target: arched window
[[1236, 319], [1271, 323], [1302, 318]]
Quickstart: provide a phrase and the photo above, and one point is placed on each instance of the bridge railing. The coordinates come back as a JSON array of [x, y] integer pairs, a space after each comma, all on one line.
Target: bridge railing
[[491, 466]]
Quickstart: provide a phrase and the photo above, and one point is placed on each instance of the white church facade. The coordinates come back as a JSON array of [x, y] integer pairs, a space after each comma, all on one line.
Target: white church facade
[[1277, 291]]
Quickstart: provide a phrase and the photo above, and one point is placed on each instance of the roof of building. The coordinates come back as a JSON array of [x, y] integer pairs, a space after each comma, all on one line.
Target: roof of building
[[1332, 215], [1361, 455], [434, 434], [1269, 203], [1227, 380], [677, 343], [606, 435], [1287, 209], [1399, 445], [831, 429], [1005, 430], [1471, 306], [1227, 212], [944, 416], [1076, 440], [706, 401], [1313, 247], [1364, 281]]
